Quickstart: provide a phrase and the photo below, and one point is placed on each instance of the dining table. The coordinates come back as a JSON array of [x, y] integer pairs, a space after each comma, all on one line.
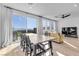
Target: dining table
[[45, 40]]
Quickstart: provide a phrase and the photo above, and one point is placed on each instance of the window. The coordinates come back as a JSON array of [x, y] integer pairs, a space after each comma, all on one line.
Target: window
[[31, 25], [53, 26], [19, 25]]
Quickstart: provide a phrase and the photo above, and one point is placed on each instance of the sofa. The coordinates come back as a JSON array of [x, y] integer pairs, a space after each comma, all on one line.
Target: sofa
[[58, 38]]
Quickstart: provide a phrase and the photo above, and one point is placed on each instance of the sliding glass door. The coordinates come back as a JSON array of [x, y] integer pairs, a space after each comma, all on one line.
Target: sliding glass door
[[32, 28], [53, 26], [31, 25], [24, 24], [48, 26], [19, 25]]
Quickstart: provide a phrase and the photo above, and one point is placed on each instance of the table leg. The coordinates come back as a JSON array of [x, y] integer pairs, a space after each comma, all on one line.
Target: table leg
[[51, 48], [34, 50]]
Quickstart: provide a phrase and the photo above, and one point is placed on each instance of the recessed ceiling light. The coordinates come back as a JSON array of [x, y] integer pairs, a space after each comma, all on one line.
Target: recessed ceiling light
[[30, 5], [75, 5]]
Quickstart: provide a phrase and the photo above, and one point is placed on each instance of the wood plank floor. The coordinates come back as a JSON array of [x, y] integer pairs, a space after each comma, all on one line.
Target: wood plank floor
[[70, 47]]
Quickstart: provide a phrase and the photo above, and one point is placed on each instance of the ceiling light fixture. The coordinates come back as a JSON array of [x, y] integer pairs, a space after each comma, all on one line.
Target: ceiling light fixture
[[75, 5], [30, 5]]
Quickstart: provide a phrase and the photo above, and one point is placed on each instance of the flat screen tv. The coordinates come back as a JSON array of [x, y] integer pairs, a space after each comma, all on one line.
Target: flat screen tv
[[70, 31]]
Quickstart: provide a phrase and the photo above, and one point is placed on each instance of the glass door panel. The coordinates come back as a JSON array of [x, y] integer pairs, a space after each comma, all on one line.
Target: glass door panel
[[19, 25], [32, 28]]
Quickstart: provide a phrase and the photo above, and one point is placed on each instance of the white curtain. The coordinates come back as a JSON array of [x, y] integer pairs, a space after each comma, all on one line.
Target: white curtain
[[0, 26], [7, 26], [39, 29], [56, 25]]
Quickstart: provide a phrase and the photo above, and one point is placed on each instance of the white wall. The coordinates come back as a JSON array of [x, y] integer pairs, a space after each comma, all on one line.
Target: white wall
[[71, 21]]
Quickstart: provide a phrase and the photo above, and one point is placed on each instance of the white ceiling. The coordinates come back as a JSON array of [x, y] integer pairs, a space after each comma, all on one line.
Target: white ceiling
[[49, 10]]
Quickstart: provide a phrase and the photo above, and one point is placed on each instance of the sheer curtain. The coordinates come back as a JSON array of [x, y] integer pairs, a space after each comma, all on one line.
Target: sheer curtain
[[39, 29], [0, 25], [6, 16], [56, 25], [5, 26]]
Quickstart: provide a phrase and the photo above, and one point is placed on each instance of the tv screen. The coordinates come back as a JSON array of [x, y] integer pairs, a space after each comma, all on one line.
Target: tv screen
[[69, 31]]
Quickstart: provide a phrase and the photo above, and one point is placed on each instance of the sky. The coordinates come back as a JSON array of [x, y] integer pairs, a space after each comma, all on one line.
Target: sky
[[21, 22]]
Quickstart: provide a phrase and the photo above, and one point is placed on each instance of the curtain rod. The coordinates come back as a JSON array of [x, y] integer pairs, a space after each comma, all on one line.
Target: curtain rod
[[28, 13]]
